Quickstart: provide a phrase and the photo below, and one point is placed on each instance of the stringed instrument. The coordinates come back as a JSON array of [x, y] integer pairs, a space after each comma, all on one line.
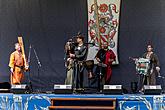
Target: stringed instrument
[[20, 41]]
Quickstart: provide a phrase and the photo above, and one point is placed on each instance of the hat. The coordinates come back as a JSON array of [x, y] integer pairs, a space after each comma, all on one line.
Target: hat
[[80, 36]]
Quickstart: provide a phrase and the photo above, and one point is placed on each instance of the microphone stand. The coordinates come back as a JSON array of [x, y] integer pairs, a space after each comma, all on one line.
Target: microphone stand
[[29, 79], [39, 66], [163, 79]]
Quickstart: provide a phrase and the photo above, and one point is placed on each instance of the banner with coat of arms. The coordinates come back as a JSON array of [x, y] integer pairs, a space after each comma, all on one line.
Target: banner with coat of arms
[[103, 25]]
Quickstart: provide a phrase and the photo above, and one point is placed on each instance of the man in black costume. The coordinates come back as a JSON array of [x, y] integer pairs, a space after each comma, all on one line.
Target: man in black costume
[[79, 56]]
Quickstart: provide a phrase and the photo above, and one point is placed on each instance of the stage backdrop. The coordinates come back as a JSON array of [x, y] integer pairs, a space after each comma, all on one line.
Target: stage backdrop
[[48, 24], [103, 25]]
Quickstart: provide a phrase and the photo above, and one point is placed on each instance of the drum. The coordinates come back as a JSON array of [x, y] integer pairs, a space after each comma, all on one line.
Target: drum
[[89, 64], [142, 65]]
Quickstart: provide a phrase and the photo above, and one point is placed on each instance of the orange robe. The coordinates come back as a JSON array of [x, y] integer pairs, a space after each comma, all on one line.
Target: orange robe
[[17, 63]]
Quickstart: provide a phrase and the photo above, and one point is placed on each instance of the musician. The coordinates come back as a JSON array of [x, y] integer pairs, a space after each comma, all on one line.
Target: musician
[[153, 71], [69, 63], [105, 57], [17, 65], [79, 56]]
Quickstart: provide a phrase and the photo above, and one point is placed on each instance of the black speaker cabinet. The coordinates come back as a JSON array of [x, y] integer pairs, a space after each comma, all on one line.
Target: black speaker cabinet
[[19, 89], [112, 89], [152, 89], [5, 87], [63, 89]]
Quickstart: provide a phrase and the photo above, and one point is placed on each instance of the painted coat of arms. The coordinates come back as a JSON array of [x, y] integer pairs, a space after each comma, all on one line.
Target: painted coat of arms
[[103, 24]]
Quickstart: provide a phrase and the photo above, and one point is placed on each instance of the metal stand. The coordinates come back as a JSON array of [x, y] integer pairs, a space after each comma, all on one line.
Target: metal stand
[[75, 75], [99, 79], [100, 76], [29, 79], [39, 66], [162, 82]]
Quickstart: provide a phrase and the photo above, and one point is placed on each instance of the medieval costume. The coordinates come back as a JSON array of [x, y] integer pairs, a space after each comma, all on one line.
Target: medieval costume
[[17, 64], [80, 55], [105, 57], [152, 72], [110, 57], [69, 63]]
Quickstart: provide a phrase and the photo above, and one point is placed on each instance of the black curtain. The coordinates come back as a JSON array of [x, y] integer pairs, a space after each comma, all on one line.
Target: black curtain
[[48, 24], [45, 25], [141, 22]]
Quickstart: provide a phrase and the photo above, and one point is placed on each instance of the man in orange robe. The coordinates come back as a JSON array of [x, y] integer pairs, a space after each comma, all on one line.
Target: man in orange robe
[[16, 65]]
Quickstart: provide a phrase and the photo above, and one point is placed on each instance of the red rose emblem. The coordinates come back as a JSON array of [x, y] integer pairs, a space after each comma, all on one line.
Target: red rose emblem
[[103, 8]]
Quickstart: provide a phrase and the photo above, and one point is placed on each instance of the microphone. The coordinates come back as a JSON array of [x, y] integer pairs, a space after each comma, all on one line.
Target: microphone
[[29, 53]]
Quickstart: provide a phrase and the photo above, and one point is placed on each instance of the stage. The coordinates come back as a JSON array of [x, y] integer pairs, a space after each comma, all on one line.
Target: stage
[[10, 101]]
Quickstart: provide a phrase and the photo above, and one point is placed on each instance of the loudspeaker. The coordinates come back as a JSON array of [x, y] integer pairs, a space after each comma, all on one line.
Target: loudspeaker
[[152, 89], [63, 89], [19, 89], [112, 89], [5, 87]]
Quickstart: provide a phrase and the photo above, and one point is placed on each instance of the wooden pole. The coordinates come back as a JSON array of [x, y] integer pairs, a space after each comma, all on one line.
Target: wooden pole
[[97, 23], [20, 41]]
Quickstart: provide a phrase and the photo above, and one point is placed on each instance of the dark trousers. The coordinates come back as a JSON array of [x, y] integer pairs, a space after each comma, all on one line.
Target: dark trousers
[[152, 78], [78, 75], [100, 72], [146, 80], [143, 80]]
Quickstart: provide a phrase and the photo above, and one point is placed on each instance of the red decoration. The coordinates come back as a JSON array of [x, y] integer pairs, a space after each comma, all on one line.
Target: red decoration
[[102, 29], [103, 8], [114, 8]]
